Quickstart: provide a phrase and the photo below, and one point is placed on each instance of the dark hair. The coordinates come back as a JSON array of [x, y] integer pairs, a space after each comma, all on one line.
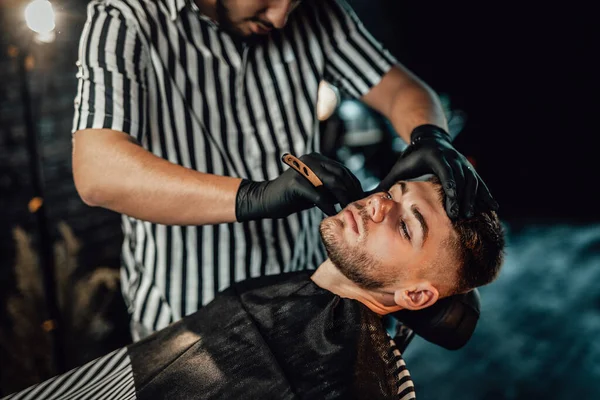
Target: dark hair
[[478, 245]]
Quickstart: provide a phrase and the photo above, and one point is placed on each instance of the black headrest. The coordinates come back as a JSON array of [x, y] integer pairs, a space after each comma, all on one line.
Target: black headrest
[[449, 323]]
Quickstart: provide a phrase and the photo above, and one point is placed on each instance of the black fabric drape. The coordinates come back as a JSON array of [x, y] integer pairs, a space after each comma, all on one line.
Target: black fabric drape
[[279, 337]]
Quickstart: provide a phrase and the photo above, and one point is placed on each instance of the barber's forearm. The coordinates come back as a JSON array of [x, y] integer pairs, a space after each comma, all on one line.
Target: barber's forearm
[[413, 106], [124, 177], [406, 101]]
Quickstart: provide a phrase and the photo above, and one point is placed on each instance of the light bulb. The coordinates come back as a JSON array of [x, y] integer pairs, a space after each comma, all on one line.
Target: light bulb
[[39, 17]]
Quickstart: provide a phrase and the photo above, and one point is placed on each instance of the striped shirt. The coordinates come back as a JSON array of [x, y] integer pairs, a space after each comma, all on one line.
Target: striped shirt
[[192, 94], [107, 378]]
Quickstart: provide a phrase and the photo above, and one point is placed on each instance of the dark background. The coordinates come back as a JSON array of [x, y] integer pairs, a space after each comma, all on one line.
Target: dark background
[[525, 76]]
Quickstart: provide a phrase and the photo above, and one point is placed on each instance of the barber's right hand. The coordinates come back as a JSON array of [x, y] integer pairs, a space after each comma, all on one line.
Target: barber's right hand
[[290, 192]]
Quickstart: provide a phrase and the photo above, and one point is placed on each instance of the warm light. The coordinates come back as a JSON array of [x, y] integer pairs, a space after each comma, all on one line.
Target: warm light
[[327, 101], [39, 16]]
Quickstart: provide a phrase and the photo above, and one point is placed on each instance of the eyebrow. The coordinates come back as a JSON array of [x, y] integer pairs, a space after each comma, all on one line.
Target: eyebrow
[[417, 214]]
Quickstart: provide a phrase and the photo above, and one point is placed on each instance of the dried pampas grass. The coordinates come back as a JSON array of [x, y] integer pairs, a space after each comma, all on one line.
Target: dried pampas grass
[[25, 346]]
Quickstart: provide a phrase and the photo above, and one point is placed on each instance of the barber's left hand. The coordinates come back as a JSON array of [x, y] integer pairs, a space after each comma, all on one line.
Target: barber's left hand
[[430, 151]]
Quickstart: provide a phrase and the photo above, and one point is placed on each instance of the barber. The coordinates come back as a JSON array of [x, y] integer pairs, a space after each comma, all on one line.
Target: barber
[[183, 111]]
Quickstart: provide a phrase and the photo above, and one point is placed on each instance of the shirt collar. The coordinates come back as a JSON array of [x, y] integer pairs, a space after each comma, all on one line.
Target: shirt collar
[[175, 6]]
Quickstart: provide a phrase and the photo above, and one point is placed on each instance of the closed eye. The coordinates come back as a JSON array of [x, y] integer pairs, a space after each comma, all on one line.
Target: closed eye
[[405, 229], [403, 225]]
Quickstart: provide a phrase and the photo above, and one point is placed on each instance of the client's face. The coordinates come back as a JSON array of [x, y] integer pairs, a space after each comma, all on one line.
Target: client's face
[[388, 236]]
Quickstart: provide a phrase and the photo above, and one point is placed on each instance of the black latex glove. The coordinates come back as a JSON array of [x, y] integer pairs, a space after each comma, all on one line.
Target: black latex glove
[[430, 152], [290, 192]]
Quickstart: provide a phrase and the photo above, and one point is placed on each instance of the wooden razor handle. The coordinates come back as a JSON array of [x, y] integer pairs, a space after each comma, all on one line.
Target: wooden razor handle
[[302, 169]]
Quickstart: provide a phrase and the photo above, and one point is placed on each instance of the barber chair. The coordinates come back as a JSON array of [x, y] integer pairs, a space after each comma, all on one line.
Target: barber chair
[[449, 323]]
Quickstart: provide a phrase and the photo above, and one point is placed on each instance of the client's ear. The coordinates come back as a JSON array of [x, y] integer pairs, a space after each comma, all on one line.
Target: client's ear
[[416, 297]]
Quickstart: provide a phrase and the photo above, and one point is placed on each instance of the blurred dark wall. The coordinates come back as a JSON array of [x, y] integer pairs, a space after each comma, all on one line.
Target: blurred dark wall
[[86, 263], [53, 88], [526, 76]]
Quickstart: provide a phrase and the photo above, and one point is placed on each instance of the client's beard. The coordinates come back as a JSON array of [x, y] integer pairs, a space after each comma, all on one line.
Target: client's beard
[[354, 263], [224, 19]]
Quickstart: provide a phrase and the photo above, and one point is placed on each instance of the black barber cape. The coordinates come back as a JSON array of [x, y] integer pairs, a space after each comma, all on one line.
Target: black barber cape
[[278, 337]]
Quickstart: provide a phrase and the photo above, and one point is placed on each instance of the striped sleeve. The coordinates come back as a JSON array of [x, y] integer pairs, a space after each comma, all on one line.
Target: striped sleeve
[[108, 378], [405, 385], [355, 61], [111, 65]]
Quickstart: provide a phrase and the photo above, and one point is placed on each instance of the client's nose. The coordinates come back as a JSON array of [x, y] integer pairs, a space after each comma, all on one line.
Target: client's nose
[[378, 206]]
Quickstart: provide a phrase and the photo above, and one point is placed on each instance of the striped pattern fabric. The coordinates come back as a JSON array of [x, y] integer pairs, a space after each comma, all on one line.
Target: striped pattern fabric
[[107, 378], [406, 387], [194, 95]]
